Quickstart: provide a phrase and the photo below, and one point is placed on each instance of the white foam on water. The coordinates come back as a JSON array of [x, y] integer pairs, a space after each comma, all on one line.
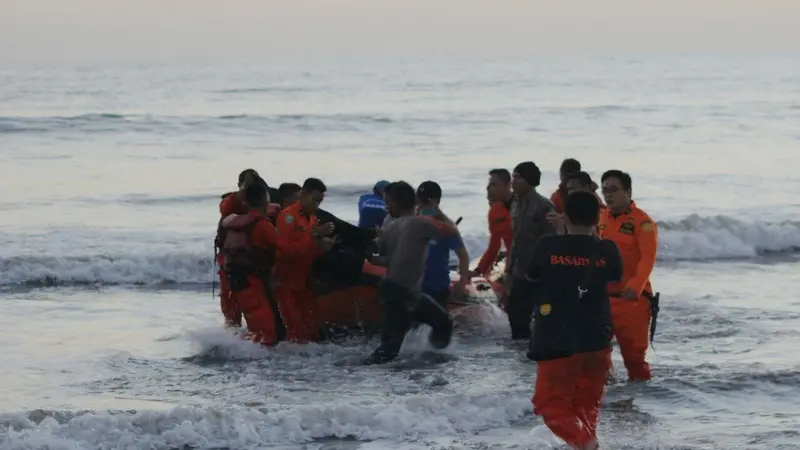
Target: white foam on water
[[405, 418], [692, 238]]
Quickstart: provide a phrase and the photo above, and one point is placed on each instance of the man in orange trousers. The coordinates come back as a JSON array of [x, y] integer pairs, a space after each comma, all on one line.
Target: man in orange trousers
[[249, 255], [231, 203], [300, 241], [572, 333], [636, 237]]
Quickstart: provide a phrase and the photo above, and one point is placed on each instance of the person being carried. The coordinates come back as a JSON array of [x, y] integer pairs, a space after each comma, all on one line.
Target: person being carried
[[559, 197], [572, 337], [248, 258], [231, 203], [404, 244], [436, 281], [500, 197], [528, 219], [300, 241], [372, 207], [636, 236]]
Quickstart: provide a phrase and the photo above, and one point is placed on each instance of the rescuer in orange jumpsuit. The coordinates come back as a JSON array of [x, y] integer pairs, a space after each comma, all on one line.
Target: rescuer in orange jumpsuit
[[300, 241], [248, 257], [231, 203], [289, 193], [636, 236], [500, 197], [559, 197], [575, 182]]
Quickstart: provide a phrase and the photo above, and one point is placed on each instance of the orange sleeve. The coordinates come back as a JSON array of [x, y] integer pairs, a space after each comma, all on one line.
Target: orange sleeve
[[499, 226], [555, 199], [445, 228], [646, 235], [228, 205], [293, 243], [264, 235]]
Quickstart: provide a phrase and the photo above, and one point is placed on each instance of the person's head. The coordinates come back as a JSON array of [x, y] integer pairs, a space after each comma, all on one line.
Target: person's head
[[289, 193], [247, 177], [581, 211], [429, 194], [400, 199], [617, 190], [568, 167], [255, 195], [311, 195], [578, 182], [525, 177], [499, 185], [386, 188], [379, 187]]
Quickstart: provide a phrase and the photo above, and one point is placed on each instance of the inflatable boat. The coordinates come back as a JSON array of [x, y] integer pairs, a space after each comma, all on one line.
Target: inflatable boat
[[346, 284]]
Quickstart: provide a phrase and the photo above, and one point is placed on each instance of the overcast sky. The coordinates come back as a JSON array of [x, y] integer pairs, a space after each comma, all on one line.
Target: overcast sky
[[157, 30]]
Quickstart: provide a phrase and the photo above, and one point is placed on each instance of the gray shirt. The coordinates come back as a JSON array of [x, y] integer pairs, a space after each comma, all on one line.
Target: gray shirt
[[529, 222], [405, 244]]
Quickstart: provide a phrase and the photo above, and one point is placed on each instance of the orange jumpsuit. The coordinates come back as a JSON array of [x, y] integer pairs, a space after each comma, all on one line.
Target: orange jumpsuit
[[230, 204], [254, 299], [636, 236], [296, 253], [558, 198], [500, 232]]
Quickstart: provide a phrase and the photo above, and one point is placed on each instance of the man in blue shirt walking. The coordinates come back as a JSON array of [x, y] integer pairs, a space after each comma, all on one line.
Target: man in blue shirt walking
[[436, 281], [371, 207]]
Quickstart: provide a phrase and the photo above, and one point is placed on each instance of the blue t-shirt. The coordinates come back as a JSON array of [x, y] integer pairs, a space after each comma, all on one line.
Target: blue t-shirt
[[371, 211], [437, 267]]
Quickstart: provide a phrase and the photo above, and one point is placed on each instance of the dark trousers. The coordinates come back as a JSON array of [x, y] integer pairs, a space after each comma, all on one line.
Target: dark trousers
[[520, 308], [400, 308], [441, 296]]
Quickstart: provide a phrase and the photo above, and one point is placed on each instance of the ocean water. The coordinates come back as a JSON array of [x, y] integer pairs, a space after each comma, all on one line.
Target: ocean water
[[111, 177]]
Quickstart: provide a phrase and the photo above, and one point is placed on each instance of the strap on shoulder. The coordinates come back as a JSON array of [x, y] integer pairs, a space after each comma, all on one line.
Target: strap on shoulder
[[594, 253]]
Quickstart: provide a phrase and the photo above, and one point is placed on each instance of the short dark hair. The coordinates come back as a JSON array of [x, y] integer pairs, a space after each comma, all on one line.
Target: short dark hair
[[403, 194], [314, 184], [583, 178], [429, 190], [255, 195], [623, 177], [287, 190], [582, 208], [570, 165], [503, 174]]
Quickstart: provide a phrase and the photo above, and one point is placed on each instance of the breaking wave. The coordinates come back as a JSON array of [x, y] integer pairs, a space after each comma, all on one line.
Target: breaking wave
[[407, 418], [694, 238]]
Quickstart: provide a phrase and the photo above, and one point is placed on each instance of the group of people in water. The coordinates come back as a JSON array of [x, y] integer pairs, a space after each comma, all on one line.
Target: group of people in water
[[577, 269]]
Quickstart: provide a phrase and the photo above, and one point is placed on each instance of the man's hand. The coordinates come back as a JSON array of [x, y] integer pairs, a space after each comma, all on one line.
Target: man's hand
[[556, 220], [460, 289], [327, 243], [325, 229], [628, 294]]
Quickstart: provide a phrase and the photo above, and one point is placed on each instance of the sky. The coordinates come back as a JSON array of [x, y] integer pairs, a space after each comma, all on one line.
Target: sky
[[202, 30]]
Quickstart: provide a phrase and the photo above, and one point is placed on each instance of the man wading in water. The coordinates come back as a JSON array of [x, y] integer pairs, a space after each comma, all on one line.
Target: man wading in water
[[405, 246]]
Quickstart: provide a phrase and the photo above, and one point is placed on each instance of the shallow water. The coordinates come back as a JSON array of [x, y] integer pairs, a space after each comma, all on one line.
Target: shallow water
[[111, 338]]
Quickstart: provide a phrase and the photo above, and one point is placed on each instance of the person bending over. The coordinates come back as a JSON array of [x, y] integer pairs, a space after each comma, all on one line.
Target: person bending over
[[404, 244]]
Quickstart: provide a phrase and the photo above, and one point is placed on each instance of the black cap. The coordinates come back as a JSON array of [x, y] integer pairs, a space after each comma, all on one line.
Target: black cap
[[529, 172], [429, 190]]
